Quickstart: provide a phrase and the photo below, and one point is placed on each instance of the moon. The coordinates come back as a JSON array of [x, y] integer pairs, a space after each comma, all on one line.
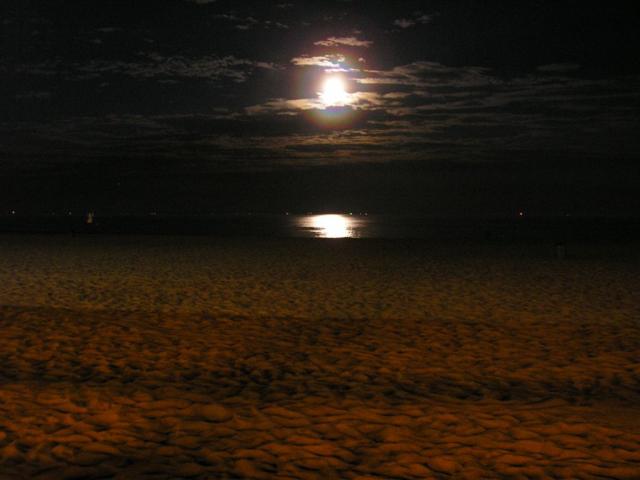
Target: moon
[[334, 92]]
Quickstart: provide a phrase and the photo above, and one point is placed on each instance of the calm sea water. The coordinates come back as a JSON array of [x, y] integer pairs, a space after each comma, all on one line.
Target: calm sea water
[[335, 226]]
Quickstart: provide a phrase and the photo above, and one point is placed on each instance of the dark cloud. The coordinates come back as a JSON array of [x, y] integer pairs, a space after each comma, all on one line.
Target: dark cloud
[[348, 41], [559, 67], [156, 65], [418, 18], [147, 66], [404, 22]]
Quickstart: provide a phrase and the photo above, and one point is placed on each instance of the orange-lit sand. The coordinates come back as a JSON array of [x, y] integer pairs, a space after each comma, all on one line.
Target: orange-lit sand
[[195, 358]]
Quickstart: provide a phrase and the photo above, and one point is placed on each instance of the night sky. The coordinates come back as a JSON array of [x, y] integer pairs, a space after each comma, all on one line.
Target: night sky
[[451, 107]]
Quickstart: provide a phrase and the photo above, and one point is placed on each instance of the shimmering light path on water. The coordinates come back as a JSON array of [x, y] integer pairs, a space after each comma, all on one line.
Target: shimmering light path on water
[[329, 226]]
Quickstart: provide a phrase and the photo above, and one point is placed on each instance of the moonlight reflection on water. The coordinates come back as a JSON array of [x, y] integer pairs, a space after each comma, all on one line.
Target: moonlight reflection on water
[[329, 226]]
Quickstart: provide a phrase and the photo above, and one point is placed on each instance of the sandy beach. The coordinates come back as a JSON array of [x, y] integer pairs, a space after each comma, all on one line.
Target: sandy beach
[[150, 357]]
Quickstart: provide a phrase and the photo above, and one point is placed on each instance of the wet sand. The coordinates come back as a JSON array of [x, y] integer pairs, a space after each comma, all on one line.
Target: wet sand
[[197, 358]]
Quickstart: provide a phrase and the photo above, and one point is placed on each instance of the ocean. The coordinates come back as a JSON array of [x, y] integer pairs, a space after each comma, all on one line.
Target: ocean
[[331, 226]]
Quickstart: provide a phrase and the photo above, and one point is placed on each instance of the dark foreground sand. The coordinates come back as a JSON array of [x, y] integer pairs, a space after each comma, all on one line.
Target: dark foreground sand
[[193, 358]]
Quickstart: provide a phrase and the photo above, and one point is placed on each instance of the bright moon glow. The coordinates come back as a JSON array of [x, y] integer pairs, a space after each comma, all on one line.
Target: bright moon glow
[[333, 92], [332, 226]]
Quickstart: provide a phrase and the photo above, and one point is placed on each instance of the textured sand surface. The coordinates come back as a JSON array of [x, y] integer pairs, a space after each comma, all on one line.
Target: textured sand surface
[[192, 358]]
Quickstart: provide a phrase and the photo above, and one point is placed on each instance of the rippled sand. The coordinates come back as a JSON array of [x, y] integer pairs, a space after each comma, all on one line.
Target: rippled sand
[[196, 358]]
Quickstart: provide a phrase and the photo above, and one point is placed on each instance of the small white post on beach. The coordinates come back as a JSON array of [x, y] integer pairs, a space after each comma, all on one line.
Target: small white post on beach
[[561, 251]]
